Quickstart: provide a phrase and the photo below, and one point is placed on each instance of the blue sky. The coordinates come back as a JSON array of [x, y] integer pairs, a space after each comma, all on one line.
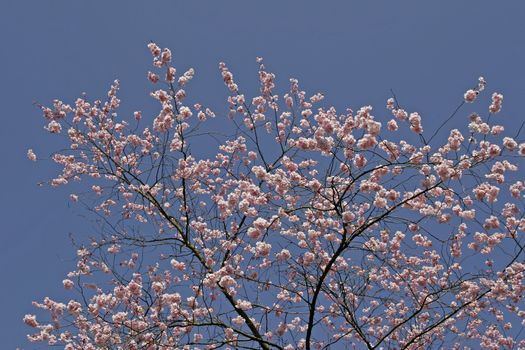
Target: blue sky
[[354, 52]]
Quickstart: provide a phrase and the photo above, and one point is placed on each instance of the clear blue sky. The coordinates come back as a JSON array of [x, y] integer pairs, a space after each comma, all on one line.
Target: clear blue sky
[[429, 52]]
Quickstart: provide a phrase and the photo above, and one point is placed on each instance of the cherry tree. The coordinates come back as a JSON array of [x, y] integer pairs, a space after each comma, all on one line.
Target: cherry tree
[[306, 228]]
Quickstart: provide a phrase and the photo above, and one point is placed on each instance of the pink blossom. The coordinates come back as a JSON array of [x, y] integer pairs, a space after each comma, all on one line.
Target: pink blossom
[[97, 189], [262, 249], [516, 189], [68, 284], [166, 55], [114, 249], [390, 103], [509, 143], [170, 74], [155, 50], [360, 161], [30, 320], [497, 100], [521, 148], [244, 304], [119, 317], [481, 84], [392, 125], [283, 255], [185, 112], [415, 123], [308, 258], [178, 265], [400, 114], [239, 321], [186, 77], [367, 141], [154, 78], [54, 127], [31, 155], [348, 216], [470, 95]]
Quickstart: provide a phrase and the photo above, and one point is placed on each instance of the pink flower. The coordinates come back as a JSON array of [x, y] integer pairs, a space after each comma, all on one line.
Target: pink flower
[[308, 258], [185, 112], [166, 55], [97, 189], [348, 216], [367, 141], [455, 139], [470, 95], [30, 320], [516, 189], [154, 78], [390, 103], [254, 233], [186, 77], [68, 284], [154, 49], [119, 317], [170, 74], [54, 127], [522, 149], [497, 100], [509, 143], [392, 125], [239, 321], [31, 155], [360, 161], [400, 114], [497, 129], [114, 249], [260, 223], [178, 265], [262, 248], [415, 123], [481, 84], [283, 255], [244, 304]]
